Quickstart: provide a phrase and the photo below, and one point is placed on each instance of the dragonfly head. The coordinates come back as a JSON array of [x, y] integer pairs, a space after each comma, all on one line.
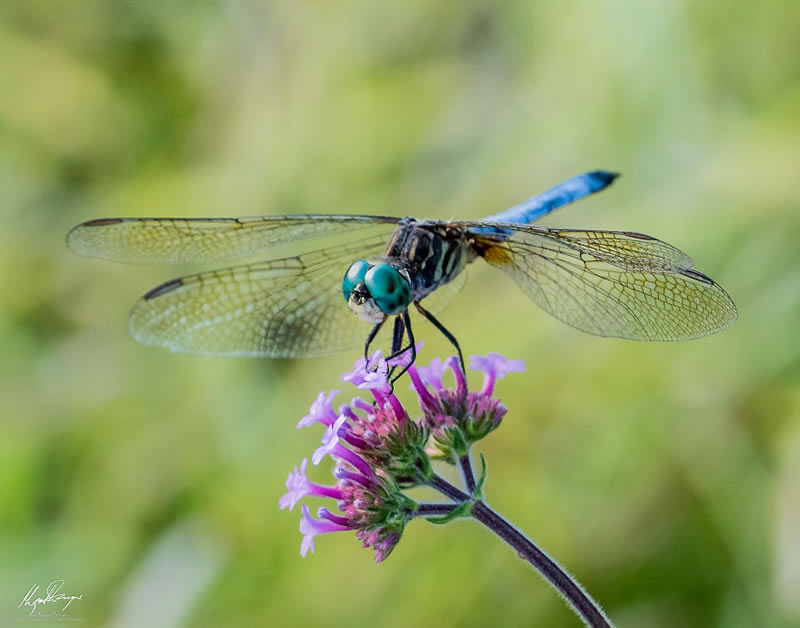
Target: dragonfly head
[[375, 291]]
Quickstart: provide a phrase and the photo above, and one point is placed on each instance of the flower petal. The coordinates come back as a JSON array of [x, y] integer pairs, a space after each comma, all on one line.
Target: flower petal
[[310, 527], [298, 486], [321, 411]]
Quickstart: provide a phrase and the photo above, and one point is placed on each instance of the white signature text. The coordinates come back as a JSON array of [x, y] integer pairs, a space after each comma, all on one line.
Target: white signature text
[[53, 594]]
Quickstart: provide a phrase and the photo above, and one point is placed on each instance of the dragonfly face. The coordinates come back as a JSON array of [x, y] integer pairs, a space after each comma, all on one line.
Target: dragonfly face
[[608, 283], [375, 291]]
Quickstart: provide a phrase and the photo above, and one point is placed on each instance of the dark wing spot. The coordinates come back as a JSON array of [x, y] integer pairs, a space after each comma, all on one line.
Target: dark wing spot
[[693, 274], [640, 236], [164, 288], [102, 222]]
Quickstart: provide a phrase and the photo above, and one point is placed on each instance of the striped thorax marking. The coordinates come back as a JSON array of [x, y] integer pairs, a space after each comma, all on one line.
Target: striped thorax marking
[[430, 254]]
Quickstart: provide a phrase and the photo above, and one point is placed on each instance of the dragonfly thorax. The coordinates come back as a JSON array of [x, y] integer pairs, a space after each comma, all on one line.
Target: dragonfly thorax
[[430, 254], [375, 291]]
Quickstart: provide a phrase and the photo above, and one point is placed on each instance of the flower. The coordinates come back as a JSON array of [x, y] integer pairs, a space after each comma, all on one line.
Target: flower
[[362, 368], [374, 507], [432, 374], [380, 450], [299, 486], [310, 527], [495, 366], [321, 411], [456, 417]]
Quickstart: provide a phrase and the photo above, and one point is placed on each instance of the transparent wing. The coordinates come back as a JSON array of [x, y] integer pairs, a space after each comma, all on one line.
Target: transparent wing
[[441, 297], [627, 249], [611, 283], [174, 240], [280, 308]]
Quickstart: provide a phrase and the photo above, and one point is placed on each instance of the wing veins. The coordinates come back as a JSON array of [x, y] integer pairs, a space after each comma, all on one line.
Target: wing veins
[[178, 240], [227, 312], [599, 296]]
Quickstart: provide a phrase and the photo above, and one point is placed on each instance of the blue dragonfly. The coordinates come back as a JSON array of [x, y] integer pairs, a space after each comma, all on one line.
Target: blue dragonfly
[[609, 283]]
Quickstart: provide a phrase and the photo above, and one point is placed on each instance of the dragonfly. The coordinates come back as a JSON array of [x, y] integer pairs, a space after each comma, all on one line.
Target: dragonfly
[[608, 283]]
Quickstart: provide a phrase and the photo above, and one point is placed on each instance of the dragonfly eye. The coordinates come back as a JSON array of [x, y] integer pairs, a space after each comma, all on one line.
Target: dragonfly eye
[[388, 288], [354, 276]]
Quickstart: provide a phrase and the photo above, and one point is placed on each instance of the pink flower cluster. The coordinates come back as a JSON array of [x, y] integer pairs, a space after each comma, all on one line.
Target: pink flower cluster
[[379, 449]]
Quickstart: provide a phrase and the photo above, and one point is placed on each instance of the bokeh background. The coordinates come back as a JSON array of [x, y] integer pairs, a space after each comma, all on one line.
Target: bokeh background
[[664, 476]]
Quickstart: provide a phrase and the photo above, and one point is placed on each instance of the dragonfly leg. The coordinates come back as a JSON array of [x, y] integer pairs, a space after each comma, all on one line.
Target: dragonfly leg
[[397, 337], [444, 330], [411, 345], [370, 338], [397, 342], [401, 326]]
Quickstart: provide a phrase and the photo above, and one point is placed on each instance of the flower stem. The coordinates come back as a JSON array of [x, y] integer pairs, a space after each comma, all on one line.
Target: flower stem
[[583, 604], [426, 510], [467, 473], [444, 487]]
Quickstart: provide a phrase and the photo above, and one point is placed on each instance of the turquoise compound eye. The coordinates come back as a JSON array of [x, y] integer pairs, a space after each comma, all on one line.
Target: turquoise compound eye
[[354, 276], [388, 288]]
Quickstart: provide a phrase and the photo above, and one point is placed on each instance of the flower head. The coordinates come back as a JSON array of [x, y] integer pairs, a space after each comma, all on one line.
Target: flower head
[[457, 417], [374, 507], [380, 450]]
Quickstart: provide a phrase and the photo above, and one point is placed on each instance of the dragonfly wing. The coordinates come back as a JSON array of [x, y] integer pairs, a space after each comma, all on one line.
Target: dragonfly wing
[[441, 297], [177, 240], [620, 284], [627, 249], [280, 308]]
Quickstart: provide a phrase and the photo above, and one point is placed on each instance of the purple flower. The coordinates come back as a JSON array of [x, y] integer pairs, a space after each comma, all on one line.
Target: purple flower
[[321, 411], [299, 486], [310, 527], [376, 381], [379, 450], [331, 446], [373, 376], [374, 507], [381, 540], [458, 417], [330, 439], [432, 374], [495, 366], [361, 368], [404, 359]]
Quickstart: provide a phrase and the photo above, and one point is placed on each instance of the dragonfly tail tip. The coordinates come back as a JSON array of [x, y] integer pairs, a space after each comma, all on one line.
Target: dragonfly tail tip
[[600, 179]]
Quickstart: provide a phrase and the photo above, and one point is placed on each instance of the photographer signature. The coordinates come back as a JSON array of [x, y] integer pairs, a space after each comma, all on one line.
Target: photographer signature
[[53, 595]]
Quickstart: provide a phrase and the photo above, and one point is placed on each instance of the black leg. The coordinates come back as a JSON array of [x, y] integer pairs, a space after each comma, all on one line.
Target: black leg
[[370, 338], [444, 330], [397, 342], [397, 337], [411, 345]]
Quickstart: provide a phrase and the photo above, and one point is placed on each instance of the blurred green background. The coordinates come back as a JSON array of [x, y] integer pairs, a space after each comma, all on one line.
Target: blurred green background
[[664, 476]]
